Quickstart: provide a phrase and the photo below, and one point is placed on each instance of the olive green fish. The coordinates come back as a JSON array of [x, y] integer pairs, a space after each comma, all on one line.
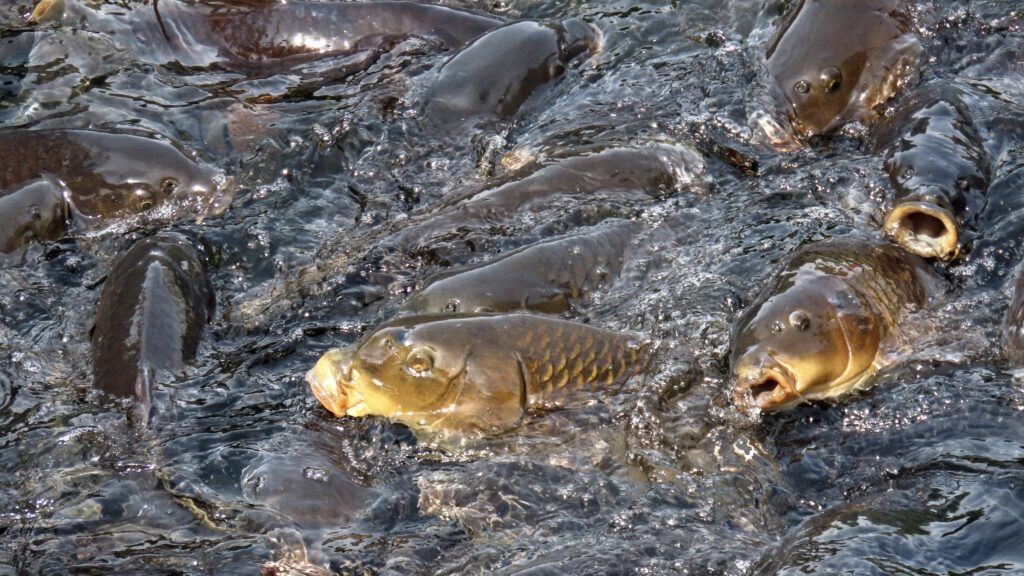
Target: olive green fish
[[832, 61], [550, 276], [472, 373], [823, 326]]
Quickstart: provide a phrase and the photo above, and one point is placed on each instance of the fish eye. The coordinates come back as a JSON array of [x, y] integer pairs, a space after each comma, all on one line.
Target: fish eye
[[776, 327], [831, 79], [962, 185], [168, 186], [420, 361], [35, 213], [451, 306], [802, 87], [143, 199], [387, 342], [907, 173], [800, 320]]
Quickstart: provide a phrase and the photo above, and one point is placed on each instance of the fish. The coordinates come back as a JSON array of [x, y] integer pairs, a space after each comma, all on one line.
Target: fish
[[35, 210], [252, 35], [112, 176], [833, 61], [636, 174], [550, 276], [499, 71], [938, 169], [155, 304], [824, 324], [1013, 326], [472, 373]]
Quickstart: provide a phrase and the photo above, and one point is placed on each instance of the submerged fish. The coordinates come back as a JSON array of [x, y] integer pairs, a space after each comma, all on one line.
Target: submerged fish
[[155, 304], [938, 168], [498, 72], [824, 324], [623, 173], [257, 33], [36, 210], [1013, 326], [472, 373], [111, 176], [547, 277], [833, 61]]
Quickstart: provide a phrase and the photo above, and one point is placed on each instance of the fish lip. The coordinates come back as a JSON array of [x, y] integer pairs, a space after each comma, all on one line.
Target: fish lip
[[330, 382], [911, 233], [782, 393]]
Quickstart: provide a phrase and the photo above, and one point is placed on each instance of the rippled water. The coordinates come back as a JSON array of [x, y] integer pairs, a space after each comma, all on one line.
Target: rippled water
[[922, 474]]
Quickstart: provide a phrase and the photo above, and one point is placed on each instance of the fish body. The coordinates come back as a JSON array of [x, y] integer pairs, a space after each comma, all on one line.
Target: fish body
[[110, 176], [260, 33], [549, 276], [1013, 327], [938, 168], [821, 328], [35, 210], [628, 173], [496, 73], [833, 61], [472, 373], [155, 304]]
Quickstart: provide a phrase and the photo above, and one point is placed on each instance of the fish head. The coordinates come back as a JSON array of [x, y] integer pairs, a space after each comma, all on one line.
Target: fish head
[[576, 38], [801, 343], [392, 373], [817, 95]]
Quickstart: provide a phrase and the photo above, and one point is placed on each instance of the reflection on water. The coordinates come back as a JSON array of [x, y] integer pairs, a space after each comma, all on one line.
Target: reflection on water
[[923, 474]]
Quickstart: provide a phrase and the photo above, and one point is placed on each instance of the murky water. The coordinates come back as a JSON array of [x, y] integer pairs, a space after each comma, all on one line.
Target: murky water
[[922, 474]]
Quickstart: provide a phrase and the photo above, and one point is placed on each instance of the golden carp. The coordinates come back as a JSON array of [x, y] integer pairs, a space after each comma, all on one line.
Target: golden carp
[[823, 325], [544, 277], [833, 61], [472, 373]]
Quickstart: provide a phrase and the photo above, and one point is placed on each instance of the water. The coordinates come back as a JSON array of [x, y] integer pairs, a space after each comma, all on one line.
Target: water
[[922, 474]]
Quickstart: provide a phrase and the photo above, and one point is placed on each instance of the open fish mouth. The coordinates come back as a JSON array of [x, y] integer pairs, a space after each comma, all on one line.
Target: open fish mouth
[[925, 229], [768, 388], [329, 385]]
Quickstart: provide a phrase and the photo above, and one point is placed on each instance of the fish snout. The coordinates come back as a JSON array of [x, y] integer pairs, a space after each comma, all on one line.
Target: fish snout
[[580, 38], [329, 380], [763, 383], [925, 227]]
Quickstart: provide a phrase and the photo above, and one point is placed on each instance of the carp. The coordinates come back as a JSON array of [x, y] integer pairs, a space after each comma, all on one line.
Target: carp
[[111, 176], [36, 210], [549, 276], [499, 71], [824, 324], [832, 61], [475, 373], [248, 34], [1013, 326], [155, 304], [938, 168]]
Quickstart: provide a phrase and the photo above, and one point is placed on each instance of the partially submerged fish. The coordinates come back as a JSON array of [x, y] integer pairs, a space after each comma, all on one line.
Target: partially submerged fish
[[111, 176], [833, 61], [1013, 326], [625, 173], [938, 169], [472, 373], [259, 33], [825, 323], [498, 72], [549, 276], [36, 210], [155, 304]]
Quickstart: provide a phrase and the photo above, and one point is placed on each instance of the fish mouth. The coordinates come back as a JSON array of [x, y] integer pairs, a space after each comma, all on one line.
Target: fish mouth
[[769, 387], [924, 228], [330, 383]]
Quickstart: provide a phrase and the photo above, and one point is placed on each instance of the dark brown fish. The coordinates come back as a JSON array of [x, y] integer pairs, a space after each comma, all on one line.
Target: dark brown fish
[[938, 169], [822, 327], [472, 373], [259, 33], [833, 61], [498, 72], [113, 176], [155, 304], [550, 276], [36, 210]]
